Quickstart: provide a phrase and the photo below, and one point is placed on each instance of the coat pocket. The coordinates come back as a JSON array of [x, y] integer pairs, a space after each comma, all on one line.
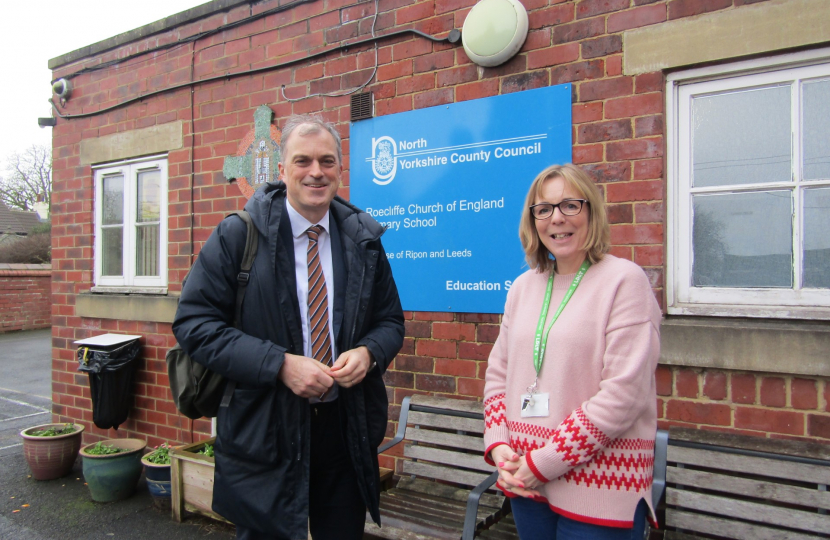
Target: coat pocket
[[247, 428], [377, 407]]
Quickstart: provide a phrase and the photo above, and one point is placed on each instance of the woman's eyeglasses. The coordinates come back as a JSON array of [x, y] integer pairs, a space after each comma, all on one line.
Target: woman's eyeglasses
[[568, 207]]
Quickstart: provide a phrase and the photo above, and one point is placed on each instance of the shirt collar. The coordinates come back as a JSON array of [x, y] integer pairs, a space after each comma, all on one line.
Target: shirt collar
[[299, 224]]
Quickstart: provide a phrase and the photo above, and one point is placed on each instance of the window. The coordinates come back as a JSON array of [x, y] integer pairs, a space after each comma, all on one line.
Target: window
[[749, 189], [131, 224]]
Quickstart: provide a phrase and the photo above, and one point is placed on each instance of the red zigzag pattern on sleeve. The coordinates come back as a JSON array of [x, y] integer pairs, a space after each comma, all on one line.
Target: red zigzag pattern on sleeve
[[494, 411]]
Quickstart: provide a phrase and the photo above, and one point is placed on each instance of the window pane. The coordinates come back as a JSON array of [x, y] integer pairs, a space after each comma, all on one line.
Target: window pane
[[112, 251], [816, 114], [816, 238], [743, 240], [742, 137], [149, 196], [113, 205], [147, 250]]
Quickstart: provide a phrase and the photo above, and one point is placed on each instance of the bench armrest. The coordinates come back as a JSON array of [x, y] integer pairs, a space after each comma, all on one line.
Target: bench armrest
[[402, 419], [658, 486], [471, 516]]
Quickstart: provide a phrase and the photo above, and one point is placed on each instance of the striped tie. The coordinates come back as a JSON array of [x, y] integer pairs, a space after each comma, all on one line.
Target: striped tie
[[318, 304]]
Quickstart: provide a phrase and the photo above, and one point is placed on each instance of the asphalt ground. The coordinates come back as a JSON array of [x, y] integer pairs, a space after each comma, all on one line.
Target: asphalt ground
[[62, 509]]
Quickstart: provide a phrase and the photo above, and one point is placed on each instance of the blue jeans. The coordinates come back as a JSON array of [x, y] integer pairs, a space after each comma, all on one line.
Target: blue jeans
[[536, 521]]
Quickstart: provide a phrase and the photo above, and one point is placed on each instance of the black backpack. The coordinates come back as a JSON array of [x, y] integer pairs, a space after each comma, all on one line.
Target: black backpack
[[197, 391]]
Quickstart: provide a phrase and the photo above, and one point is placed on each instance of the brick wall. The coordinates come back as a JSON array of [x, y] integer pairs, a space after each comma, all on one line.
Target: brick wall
[[25, 297], [618, 136]]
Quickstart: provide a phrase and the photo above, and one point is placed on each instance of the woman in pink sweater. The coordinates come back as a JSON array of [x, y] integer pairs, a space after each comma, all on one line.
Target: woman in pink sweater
[[569, 399]]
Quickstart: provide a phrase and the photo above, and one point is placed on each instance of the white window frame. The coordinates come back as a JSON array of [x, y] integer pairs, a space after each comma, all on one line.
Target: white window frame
[[683, 298], [129, 282]]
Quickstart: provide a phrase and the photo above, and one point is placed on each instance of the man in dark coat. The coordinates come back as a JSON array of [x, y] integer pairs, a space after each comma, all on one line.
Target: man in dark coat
[[296, 446]]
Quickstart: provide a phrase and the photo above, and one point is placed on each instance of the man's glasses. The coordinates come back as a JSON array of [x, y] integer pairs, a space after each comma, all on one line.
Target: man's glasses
[[568, 207]]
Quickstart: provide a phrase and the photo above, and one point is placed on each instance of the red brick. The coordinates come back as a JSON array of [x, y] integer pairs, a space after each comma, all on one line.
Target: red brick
[[474, 351], [663, 377], [648, 82], [443, 349], [613, 65], [577, 71], [634, 149], [648, 256], [649, 190], [414, 12], [619, 213], [743, 388], [433, 316], [578, 31], [804, 394], [609, 172], [458, 331], [418, 83], [399, 379], [487, 333], [435, 383], [638, 105], [714, 385], [636, 234], [759, 419], [395, 70], [688, 8], [648, 169], [434, 62], [536, 39], [589, 8], [404, 362], [602, 46], [605, 88], [591, 153], [686, 383], [773, 392], [459, 75], [648, 125], [635, 18], [649, 212], [550, 17], [818, 426], [561, 54], [418, 329], [456, 368], [698, 413], [433, 98], [409, 49], [525, 81], [477, 90], [586, 112], [604, 131]]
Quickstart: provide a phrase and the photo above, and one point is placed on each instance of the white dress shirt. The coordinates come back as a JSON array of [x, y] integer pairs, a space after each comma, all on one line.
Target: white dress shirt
[[299, 226]]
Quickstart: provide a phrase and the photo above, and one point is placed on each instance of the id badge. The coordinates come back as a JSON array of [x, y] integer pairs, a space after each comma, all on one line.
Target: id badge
[[534, 405]]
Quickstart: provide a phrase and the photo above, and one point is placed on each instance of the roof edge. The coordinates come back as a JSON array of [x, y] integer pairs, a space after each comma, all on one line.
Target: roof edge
[[161, 25]]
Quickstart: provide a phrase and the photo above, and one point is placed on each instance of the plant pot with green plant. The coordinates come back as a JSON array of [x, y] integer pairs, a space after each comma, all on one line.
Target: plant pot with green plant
[[112, 468], [51, 449], [157, 473]]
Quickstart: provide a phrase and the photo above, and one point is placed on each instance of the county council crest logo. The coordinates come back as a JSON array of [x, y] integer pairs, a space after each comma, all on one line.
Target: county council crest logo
[[384, 160]]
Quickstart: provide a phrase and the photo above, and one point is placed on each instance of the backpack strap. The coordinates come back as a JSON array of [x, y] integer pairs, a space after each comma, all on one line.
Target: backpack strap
[[248, 256]]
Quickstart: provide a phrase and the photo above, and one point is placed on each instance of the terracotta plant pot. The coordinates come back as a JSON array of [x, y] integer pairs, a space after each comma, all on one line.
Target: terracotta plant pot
[[158, 482], [51, 457], [113, 477]]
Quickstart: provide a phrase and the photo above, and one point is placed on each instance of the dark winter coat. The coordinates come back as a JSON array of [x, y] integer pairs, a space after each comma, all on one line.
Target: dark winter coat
[[262, 445]]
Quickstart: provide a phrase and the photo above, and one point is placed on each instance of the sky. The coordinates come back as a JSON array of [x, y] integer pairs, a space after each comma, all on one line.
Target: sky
[[31, 33]]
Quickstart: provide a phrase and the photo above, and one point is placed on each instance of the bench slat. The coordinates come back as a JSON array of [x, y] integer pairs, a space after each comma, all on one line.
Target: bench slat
[[430, 488], [392, 533], [392, 523], [448, 474], [749, 464], [430, 508], [727, 528], [452, 404], [751, 488], [763, 513], [455, 423], [464, 442], [447, 457]]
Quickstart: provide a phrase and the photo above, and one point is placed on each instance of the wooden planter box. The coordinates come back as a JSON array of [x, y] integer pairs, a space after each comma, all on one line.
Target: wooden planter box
[[191, 481]]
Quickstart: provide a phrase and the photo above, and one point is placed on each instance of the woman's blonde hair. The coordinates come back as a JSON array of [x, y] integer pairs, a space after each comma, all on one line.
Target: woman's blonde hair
[[598, 240]]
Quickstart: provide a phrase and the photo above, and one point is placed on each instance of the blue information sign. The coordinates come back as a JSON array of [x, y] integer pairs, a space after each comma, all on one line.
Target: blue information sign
[[449, 183]]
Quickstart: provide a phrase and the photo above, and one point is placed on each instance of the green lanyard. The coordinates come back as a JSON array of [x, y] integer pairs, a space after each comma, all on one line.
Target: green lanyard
[[541, 344]]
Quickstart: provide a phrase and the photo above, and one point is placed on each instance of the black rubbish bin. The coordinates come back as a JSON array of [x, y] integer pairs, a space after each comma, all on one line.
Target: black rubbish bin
[[110, 360]]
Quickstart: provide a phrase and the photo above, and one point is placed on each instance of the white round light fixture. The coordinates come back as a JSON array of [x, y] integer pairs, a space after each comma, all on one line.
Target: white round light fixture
[[494, 31]]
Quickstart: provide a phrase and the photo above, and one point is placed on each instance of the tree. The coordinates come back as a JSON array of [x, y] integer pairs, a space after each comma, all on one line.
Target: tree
[[28, 177]]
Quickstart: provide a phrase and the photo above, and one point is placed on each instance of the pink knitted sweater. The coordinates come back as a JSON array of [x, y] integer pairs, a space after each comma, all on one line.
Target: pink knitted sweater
[[595, 451]]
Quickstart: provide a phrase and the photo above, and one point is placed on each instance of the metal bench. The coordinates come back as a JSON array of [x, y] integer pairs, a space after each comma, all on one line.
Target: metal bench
[[444, 474], [722, 485]]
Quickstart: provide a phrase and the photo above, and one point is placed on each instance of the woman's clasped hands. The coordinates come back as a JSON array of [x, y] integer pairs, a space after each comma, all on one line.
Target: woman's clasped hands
[[515, 475]]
